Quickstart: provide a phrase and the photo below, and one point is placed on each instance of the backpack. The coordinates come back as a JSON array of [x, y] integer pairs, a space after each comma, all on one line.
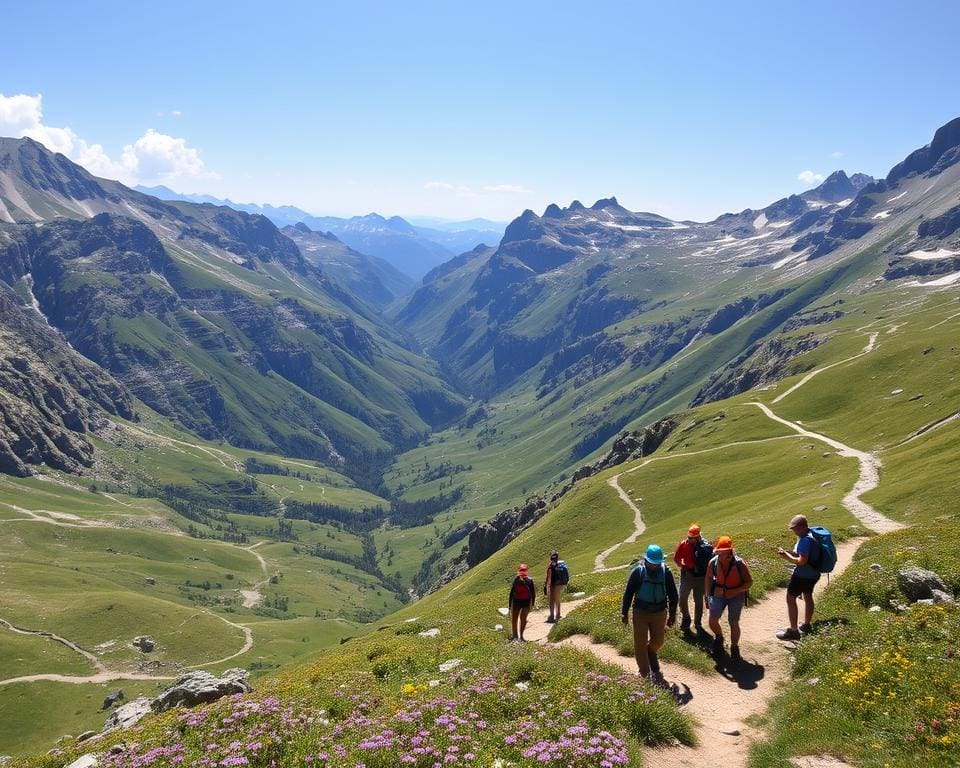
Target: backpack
[[652, 594], [521, 589], [826, 557], [702, 555], [561, 574]]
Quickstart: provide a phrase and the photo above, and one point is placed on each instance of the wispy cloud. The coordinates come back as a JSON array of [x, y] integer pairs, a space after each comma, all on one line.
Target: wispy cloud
[[153, 158], [810, 178], [466, 191], [513, 189], [836, 155]]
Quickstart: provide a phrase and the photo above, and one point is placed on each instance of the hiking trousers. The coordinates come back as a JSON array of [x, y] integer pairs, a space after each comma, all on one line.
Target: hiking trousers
[[690, 583], [649, 631]]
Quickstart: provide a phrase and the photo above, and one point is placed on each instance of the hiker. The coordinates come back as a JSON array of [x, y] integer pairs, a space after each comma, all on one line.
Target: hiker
[[692, 556], [803, 580], [558, 576], [653, 592], [521, 599], [725, 586]]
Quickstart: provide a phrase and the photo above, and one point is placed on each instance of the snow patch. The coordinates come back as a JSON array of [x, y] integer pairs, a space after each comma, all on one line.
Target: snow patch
[[940, 253], [760, 222], [938, 283], [845, 203], [882, 215], [787, 259], [892, 199], [781, 224]]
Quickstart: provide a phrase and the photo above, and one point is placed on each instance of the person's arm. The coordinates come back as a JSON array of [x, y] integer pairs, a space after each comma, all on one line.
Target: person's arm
[[533, 592], [800, 554], [678, 555], [673, 598], [510, 594], [548, 582], [628, 593]]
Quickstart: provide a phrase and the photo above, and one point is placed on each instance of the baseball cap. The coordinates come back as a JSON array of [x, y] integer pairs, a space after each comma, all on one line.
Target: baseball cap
[[694, 530], [523, 568], [723, 543], [654, 554]]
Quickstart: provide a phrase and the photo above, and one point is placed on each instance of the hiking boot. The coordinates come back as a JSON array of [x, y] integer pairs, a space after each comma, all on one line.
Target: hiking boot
[[654, 663], [551, 620], [657, 680], [735, 656], [789, 634], [717, 648], [685, 623], [806, 629]]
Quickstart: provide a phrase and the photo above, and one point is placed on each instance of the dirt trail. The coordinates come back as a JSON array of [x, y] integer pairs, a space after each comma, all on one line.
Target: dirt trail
[[720, 704], [866, 351]]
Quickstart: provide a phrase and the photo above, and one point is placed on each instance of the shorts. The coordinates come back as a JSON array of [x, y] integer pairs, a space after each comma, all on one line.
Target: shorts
[[519, 605], [733, 605], [801, 586]]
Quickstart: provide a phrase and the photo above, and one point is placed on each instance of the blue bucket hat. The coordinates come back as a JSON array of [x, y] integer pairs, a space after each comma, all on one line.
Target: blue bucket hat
[[654, 554]]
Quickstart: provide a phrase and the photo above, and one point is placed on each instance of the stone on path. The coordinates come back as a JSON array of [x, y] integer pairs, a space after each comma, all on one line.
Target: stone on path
[[448, 666], [87, 761]]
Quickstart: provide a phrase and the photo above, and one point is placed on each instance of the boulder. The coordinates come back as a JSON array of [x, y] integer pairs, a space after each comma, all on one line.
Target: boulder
[[918, 583], [112, 698], [144, 643], [127, 715], [87, 761], [200, 687], [86, 735], [941, 597]]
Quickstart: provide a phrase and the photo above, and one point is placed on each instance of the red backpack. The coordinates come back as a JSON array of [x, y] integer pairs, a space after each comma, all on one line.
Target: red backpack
[[521, 589]]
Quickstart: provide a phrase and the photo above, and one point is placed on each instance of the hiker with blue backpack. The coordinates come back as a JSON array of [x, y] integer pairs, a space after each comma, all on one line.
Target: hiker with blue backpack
[[558, 576], [692, 557], [812, 555], [653, 592]]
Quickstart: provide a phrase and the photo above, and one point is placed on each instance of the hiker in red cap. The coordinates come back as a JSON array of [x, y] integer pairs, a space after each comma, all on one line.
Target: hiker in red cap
[[726, 584], [521, 599], [692, 556]]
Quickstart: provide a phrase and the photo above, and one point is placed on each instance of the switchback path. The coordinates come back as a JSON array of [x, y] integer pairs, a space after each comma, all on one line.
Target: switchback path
[[866, 351]]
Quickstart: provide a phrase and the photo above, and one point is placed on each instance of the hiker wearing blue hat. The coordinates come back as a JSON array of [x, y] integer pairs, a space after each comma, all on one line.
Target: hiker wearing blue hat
[[653, 592]]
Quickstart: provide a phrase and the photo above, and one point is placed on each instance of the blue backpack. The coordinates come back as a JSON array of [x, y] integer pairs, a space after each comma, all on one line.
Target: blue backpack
[[561, 574], [652, 593], [826, 558]]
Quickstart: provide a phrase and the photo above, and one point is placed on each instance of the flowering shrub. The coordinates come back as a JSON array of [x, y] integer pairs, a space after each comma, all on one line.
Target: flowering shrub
[[533, 710]]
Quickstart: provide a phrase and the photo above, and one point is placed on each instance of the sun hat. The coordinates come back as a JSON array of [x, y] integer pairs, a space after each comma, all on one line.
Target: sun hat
[[694, 530], [653, 555], [523, 568], [723, 543]]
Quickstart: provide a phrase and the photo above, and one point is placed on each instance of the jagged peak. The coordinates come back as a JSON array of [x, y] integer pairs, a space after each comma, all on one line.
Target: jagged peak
[[553, 211], [946, 139], [605, 202], [576, 205]]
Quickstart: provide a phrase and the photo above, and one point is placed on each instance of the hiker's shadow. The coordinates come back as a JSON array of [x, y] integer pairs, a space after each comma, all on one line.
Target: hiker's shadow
[[746, 674]]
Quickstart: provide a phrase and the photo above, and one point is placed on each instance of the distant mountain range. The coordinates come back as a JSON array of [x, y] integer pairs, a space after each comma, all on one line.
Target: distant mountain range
[[412, 249]]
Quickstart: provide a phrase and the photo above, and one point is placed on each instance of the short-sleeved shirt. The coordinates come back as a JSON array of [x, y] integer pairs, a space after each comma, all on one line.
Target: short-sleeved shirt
[[806, 546]]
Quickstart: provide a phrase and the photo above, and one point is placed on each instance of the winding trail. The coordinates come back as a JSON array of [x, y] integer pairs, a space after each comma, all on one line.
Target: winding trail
[[866, 351], [868, 480]]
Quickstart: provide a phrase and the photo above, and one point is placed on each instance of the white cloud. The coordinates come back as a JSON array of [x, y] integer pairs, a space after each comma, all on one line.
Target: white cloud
[[176, 112], [463, 190], [513, 189], [810, 178], [836, 155], [154, 157]]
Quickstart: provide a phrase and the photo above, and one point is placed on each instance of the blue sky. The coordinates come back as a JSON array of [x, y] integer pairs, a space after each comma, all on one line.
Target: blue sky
[[460, 110]]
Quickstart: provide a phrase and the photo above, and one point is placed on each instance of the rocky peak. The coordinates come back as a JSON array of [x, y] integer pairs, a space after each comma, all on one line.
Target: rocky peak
[[527, 226], [301, 227], [606, 202], [553, 211], [940, 153], [576, 205]]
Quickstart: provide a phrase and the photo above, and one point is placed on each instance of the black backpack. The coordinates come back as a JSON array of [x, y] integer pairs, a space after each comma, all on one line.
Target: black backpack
[[702, 555], [561, 574]]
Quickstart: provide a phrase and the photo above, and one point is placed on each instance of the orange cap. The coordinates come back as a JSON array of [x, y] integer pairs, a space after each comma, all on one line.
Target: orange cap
[[694, 530], [523, 568], [723, 543]]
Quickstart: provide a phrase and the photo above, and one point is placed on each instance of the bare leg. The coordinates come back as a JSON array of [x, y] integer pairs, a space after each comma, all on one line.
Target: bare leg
[[792, 610], [523, 619], [808, 607]]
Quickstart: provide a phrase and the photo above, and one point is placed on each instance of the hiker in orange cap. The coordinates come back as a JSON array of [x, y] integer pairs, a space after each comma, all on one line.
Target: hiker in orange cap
[[520, 600], [692, 557], [725, 587]]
